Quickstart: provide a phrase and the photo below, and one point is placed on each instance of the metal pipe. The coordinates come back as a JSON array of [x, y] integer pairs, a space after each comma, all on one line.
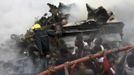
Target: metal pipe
[[86, 58]]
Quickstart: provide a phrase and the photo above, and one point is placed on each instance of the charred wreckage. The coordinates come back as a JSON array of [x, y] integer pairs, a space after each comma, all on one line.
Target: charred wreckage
[[52, 39]]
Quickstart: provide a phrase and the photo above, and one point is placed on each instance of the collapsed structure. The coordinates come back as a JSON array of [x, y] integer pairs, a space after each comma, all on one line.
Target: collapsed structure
[[71, 42]]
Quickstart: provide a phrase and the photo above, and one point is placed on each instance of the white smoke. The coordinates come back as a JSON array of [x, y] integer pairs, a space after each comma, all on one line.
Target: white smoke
[[123, 11], [16, 16]]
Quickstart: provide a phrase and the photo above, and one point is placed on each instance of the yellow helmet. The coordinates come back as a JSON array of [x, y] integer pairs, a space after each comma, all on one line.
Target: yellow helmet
[[36, 26]]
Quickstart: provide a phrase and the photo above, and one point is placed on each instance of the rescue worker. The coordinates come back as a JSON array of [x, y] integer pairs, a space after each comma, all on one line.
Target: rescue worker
[[41, 39]]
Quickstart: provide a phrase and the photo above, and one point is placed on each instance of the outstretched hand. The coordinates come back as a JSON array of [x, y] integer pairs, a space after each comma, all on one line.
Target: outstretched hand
[[51, 69], [67, 64]]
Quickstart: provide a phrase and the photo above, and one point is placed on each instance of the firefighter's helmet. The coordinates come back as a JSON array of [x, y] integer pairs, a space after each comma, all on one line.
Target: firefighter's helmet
[[36, 26]]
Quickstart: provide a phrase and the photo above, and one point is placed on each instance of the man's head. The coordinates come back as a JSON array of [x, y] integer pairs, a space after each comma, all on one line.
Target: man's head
[[79, 37], [98, 41]]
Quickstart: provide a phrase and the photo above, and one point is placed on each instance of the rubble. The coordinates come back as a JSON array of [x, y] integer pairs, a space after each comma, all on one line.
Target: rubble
[[63, 46]]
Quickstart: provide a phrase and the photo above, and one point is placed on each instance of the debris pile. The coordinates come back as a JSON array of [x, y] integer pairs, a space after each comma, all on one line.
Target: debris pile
[[51, 40]]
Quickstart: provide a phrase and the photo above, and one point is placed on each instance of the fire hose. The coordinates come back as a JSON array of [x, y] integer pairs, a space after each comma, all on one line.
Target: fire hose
[[86, 58]]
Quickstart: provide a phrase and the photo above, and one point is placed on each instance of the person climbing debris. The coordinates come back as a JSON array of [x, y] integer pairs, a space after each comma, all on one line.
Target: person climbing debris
[[41, 39]]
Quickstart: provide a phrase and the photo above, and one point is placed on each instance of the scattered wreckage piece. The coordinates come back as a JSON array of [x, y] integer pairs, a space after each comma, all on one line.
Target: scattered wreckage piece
[[114, 27], [100, 14], [109, 32]]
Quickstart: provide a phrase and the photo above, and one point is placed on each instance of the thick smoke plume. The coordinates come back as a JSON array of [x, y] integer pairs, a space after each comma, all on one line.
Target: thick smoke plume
[[16, 16]]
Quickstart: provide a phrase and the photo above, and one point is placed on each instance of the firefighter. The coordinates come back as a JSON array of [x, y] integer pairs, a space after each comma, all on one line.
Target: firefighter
[[41, 39]]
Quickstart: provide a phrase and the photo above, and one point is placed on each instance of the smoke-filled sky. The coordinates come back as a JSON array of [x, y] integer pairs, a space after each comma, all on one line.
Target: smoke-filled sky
[[16, 16]]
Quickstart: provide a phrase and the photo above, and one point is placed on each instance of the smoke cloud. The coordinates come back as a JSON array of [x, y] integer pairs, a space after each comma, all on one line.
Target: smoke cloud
[[123, 11], [16, 16]]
